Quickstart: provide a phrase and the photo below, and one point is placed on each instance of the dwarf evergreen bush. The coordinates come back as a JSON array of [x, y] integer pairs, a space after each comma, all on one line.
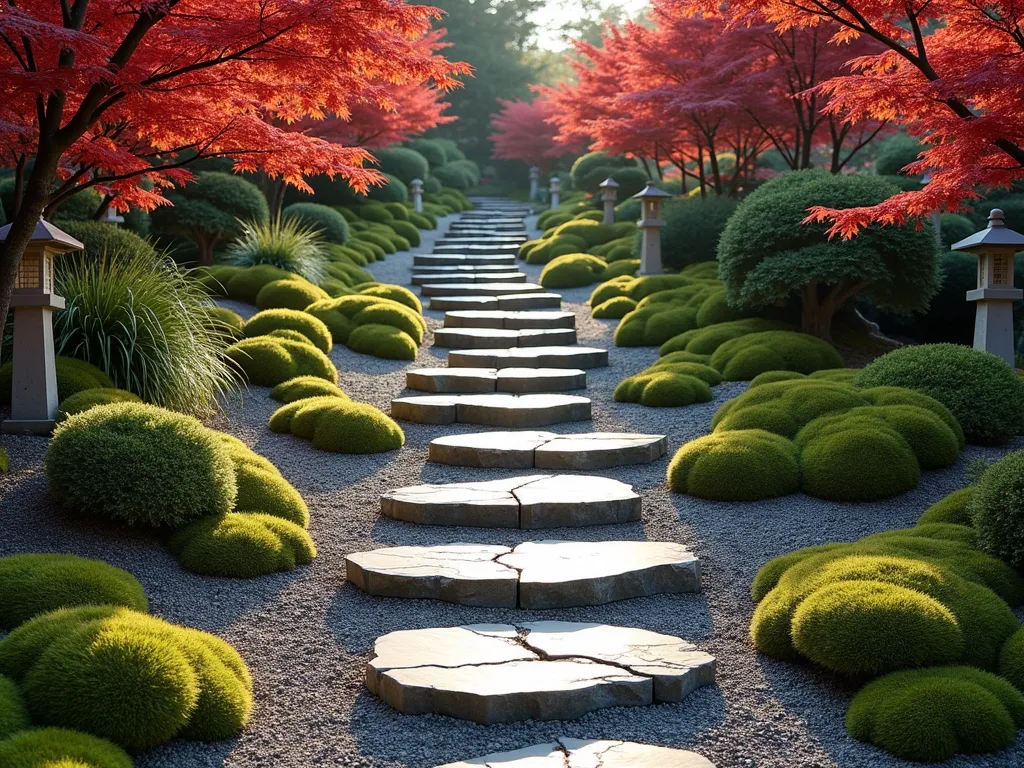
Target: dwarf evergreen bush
[[744, 465], [90, 398]]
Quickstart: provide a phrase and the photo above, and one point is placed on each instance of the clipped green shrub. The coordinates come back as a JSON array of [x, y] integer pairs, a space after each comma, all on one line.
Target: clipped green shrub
[[407, 230], [553, 248], [982, 392], [614, 308], [743, 358], [330, 223], [375, 238], [997, 509], [261, 487], [394, 191], [312, 329], [586, 164], [572, 271], [396, 293], [245, 283], [90, 398], [13, 715], [895, 152], [954, 508], [744, 465], [267, 361], [377, 212], [431, 150], [242, 545], [422, 220], [404, 163], [289, 294], [302, 387], [621, 268], [32, 584], [61, 748], [288, 244], [663, 389], [101, 239], [399, 210], [384, 341], [338, 425], [179, 469], [931, 715]]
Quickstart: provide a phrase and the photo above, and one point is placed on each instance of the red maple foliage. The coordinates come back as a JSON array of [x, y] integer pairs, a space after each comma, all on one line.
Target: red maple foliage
[[113, 93], [524, 130]]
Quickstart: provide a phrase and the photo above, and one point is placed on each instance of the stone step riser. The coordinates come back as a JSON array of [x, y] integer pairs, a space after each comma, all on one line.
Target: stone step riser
[[535, 357], [498, 410], [494, 338], [468, 277], [510, 321], [476, 250], [479, 289], [446, 260], [546, 450], [455, 269], [486, 380]]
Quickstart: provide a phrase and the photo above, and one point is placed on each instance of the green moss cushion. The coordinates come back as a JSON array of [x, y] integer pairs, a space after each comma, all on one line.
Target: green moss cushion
[[618, 268], [572, 271], [309, 326], [736, 466], [73, 376], [13, 714], [337, 425], [997, 509], [61, 748], [395, 293], [383, 341], [983, 393], [663, 389], [744, 358], [707, 340], [268, 361], [344, 314], [552, 248], [407, 230], [128, 677], [242, 545], [786, 407], [262, 489], [304, 386], [614, 308], [931, 715], [289, 294], [180, 470], [90, 398], [32, 584], [246, 283], [391, 314]]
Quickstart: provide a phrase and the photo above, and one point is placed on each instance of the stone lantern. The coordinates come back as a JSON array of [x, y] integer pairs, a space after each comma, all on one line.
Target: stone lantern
[[609, 196], [34, 385], [416, 187], [994, 247], [534, 178], [556, 188], [650, 225]]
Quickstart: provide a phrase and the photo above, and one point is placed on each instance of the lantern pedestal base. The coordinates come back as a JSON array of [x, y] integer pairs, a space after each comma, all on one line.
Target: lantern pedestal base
[[993, 329], [27, 427]]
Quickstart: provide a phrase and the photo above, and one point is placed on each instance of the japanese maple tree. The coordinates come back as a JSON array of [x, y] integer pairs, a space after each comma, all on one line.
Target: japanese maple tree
[[524, 131], [120, 95]]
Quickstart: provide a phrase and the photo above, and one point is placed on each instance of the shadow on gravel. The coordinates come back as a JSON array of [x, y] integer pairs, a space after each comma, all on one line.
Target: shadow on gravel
[[188, 753]]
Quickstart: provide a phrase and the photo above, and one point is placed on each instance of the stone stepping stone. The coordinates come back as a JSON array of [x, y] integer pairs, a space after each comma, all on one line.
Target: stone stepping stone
[[544, 670], [500, 338], [479, 289], [475, 230], [575, 753], [508, 320], [476, 237], [492, 410], [535, 575], [509, 302], [477, 250], [530, 357], [482, 380], [469, 277], [547, 450], [457, 259], [529, 502], [455, 269]]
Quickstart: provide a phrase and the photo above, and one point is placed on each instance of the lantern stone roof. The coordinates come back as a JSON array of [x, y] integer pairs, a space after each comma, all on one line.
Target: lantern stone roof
[[995, 234], [609, 183], [47, 232], [650, 192]]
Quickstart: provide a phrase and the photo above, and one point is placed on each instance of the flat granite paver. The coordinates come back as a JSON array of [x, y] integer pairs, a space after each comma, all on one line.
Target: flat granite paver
[[468, 278], [483, 380], [530, 501], [492, 410], [530, 357], [576, 753], [548, 670], [502, 338], [547, 450], [515, 321], [479, 289], [455, 269], [534, 575], [510, 249], [515, 301], [462, 259]]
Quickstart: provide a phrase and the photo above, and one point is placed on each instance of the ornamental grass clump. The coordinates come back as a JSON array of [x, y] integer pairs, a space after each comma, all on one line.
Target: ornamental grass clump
[[144, 323], [288, 244]]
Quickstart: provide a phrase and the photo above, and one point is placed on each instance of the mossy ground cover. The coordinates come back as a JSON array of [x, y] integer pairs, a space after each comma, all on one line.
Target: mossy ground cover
[[338, 425]]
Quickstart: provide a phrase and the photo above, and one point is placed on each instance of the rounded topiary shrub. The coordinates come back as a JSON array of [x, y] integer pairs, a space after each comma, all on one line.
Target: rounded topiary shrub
[[614, 308], [663, 389], [997, 509], [330, 223], [384, 341], [396, 293], [270, 320], [931, 715], [246, 282], [954, 508], [337, 425], [179, 469], [407, 164], [743, 358], [394, 191], [243, 545], [305, 386], [981, 391], [744, 465], [289, 294], [269, 360], [61, 748], [572, 270], [90, 398], [407, 230], [13, 715], [32, 584]]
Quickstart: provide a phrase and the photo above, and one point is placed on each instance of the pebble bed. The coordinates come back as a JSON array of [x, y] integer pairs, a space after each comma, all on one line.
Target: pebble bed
[[307, 635]]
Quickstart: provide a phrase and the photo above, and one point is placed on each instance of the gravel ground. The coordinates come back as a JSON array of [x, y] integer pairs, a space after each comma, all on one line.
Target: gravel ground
[[306, 635]]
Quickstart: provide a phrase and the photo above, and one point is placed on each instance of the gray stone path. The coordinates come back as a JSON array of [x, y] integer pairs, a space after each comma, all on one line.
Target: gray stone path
[[530, 357], [462, 259], [502, 338], [470, 318], [547, 450], [479, 289], [576, 753], [483, 380], [460, 278], [529, 502], [497, 409], [509, 302], [534, 575]]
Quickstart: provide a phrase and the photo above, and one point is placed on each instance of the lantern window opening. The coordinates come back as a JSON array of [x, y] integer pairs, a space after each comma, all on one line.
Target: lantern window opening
[[30, 272]]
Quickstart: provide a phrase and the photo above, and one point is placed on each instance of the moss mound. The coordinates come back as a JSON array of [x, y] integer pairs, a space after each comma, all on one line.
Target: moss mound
[[90, 398], [262, 489], [269, 320], [931, 715], [225, 322], [269, 360], [997, 509], [382, 341], [73, 376], [245, 283], [61, 748], [180, 470], [954, 508], [572, 270], [744, 465], [13, 715], [743, 358], [343, 315], [304, 386], [289, 294], [340, 426], [663, 389], [396, 293], [614, 308], [33, 584], [242, 545], [707, 340]]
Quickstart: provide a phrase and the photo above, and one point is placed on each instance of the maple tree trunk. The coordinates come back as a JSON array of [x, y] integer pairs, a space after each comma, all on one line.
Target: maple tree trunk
[[205, 251]]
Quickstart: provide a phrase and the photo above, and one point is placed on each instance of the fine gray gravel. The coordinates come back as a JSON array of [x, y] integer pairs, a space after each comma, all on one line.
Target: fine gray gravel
[[306, 635]]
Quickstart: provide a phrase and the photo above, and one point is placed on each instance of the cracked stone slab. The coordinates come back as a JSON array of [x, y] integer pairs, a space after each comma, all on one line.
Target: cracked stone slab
[[462, 259], [547, 450], [530, 357], [534, 575], [502, 338], [576, 753], [514, 321], [451, 278], [479, 289], [529, 501], [483, 380], [492, 410], [500, 673]]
